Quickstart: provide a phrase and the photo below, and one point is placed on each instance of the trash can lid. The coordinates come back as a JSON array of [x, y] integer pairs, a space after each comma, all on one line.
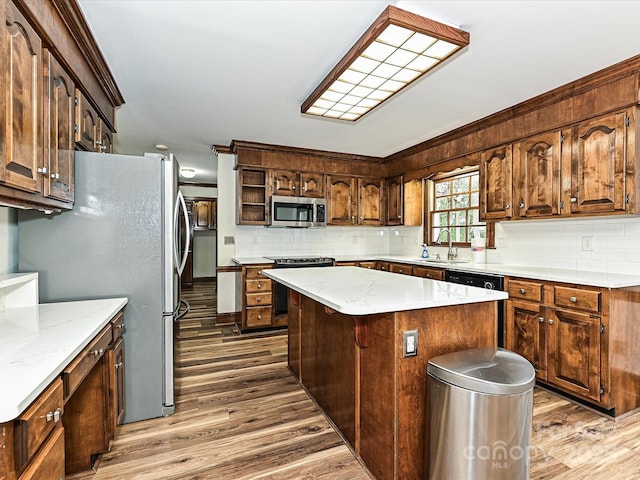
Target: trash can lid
[[495, 371]]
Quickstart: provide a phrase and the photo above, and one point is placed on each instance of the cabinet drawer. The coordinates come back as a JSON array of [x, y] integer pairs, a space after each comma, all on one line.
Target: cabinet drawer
[[369, 265], [425, 272], [257, 299], [525, 290], [85, 361], [259, 317], [254, 272], [580, 298], [404, 269], [49, 463], [37, 422], [259, 285], [117, 325]]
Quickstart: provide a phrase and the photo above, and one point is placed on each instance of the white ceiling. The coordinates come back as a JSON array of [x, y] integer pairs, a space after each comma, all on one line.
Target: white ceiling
[[203, 72]]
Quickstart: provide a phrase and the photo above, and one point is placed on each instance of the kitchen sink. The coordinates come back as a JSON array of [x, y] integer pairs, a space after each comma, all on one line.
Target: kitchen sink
[[441, 261]]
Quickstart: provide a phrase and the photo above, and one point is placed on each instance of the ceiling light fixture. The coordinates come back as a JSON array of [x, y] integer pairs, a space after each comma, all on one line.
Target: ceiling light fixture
[[395, 51], [187, 172], [161, 148]]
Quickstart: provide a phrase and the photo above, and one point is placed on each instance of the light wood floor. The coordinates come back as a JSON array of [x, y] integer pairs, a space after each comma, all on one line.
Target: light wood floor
[[240, 415]]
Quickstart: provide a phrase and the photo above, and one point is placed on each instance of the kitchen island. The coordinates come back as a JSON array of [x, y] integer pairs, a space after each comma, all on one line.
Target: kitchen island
[[346, 329]]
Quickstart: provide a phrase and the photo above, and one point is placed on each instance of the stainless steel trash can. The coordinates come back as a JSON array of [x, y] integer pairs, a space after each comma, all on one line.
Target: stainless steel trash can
[[481, 407]]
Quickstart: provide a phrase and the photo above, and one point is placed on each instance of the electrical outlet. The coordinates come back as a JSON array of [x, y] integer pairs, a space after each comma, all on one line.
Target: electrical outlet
[[229, 240], [409, 343], [587, 244]]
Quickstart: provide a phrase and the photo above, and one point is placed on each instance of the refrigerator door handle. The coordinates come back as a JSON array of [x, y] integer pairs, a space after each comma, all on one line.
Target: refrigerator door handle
[[181, 205]]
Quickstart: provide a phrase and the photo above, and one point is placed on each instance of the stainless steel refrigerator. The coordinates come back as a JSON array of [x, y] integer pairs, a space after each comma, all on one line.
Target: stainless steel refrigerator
[[120, 240]]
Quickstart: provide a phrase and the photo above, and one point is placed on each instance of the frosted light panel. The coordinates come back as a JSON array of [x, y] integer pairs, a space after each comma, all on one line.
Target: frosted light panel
[[387, 62]]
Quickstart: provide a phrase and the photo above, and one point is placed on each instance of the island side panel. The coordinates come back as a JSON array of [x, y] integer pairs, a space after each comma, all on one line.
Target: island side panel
[[328, 363], [440, 330], [293, 343], [377, 396]]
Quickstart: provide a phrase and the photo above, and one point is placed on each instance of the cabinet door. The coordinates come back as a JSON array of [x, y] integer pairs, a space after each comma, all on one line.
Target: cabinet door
[[105, 137], [537, 175], [201, 211], [598, 152], [86, 127], [525, 333], [574, 352], [49, 463], [370, 201], [340, 198], [312, 185], [394, 200], [21, 107], [496, 181], [59, 126], [284, 182]]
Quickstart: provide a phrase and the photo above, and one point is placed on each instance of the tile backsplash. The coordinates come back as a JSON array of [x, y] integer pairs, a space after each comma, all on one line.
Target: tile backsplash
[[605, 244]]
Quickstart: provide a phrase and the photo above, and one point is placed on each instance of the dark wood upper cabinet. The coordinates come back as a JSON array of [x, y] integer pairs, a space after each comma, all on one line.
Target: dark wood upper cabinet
[[394, 200], [59, 130], [537, 175], [370, 211], [341, 196], [21, 105], [204, 214], [312, 184], [285, 182], [496, 183], [599, 163]]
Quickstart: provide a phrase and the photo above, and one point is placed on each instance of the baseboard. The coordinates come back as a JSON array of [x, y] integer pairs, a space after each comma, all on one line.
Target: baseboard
[[228, 318], [204, 279]]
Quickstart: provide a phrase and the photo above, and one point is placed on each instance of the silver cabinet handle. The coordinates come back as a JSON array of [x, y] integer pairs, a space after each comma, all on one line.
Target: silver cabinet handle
[[120, 326], [118, 365], [573, 299], [55, 415], [98, 353], [521, 205], [523, 291], [541, 320], [550, 322], [573, 200], [42, 170], [259, 316], [507, 206], [259, 285]]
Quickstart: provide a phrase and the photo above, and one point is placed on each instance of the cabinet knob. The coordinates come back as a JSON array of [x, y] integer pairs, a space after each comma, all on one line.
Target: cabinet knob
[[573, 299], [550, 322], [541, 320], [98, 353], [120, 326], [42, 170], [507, 206], [259, 316], [521, 205], [573, 200], [259, 299], [294, 187], [259, 285], [522, 291], [118, 365], [54, 416]]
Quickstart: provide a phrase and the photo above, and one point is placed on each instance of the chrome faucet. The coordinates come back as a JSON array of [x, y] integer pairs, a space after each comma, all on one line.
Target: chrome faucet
[[450, 253]]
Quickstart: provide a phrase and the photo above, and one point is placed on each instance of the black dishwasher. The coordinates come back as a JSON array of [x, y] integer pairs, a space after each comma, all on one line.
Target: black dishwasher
[[482, 280]]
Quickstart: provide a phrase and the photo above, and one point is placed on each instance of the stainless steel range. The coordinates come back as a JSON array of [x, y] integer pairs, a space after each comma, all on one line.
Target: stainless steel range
[[282, 292]]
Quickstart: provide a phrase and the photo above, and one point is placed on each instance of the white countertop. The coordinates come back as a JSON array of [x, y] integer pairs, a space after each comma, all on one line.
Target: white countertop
[[581, 277], [37, 342], [360, 291]]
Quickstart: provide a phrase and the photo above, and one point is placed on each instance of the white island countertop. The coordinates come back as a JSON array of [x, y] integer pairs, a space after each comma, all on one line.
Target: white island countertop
[[38, 342], [361, 291]]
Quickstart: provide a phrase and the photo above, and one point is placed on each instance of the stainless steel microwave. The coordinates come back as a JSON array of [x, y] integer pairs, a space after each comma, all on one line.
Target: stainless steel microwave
[[297, 212]]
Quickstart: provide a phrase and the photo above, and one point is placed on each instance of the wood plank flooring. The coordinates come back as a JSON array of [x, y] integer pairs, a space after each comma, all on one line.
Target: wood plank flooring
[[240, 415]]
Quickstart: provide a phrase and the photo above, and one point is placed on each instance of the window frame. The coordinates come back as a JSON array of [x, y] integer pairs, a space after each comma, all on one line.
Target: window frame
[[429, 205]]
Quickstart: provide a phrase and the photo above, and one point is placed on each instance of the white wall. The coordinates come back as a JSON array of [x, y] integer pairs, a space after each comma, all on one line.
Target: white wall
[[226, 228], [8, 240]]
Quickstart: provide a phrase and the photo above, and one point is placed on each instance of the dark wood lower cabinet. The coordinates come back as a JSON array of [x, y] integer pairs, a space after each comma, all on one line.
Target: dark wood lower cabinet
[[354, 369]]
